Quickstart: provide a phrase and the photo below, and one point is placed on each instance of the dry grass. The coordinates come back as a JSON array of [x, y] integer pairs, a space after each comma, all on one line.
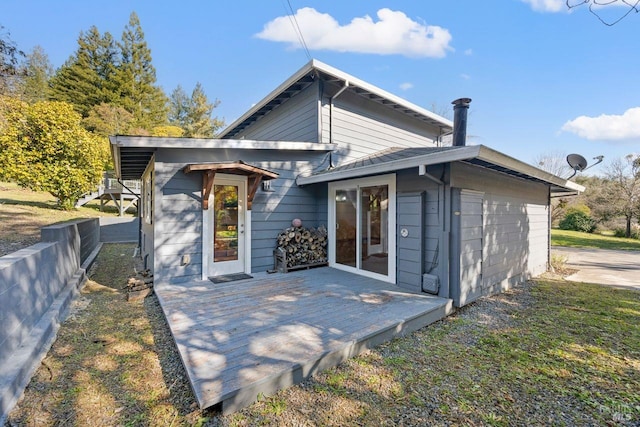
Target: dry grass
[[23, 212], [113, 363]]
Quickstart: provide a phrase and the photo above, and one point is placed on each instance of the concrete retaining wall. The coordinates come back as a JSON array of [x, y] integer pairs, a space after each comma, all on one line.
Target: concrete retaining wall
[[36, 286]]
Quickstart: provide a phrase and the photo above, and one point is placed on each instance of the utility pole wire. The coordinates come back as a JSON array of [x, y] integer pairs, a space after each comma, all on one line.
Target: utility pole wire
[[296, 27]]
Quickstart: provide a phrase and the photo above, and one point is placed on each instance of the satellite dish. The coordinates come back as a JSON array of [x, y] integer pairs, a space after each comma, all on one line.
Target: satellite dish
[[577, 163]]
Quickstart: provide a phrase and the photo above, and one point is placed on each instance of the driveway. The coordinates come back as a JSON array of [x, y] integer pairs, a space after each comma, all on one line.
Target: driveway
[[604, 266]]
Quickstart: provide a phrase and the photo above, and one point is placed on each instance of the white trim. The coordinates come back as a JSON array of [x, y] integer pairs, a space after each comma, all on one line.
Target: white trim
[[480, 152], [241, 144], [207, 229], [390, 181], [314, 64]]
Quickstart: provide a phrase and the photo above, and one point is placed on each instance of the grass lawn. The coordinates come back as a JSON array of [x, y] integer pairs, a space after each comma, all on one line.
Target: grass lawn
[[576, 239], [23, 212], [548, 353]]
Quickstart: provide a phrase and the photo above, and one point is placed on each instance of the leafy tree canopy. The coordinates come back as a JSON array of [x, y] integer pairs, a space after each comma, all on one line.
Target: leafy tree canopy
[[193, 114], [44, 147]]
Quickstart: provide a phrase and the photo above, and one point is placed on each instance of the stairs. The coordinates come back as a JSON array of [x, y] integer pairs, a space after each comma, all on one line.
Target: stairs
[[87, 197]]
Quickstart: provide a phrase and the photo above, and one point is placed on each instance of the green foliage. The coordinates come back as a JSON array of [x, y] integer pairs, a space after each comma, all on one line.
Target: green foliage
[[193, 114], [44, 147], [578, 221], [38, 71], [136, 79], [167, 130], [109, 119], [622, 232], [88, 77]]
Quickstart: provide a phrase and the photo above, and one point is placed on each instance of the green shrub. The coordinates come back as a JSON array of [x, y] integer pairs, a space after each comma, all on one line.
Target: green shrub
[[578, 221], [622, 232]]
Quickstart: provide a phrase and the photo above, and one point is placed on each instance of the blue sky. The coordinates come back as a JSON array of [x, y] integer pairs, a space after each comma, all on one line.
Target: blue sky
[[542, 78]]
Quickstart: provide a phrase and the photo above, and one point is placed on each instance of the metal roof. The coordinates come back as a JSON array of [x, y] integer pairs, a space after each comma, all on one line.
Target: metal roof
[[478, 155], [132, 154], [314, 70]]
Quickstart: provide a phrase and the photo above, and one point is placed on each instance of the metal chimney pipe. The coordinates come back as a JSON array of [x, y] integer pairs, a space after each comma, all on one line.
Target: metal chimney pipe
[[460, 109]]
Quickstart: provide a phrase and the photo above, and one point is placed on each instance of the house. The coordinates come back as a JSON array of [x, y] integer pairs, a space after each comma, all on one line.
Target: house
[[454, 221]]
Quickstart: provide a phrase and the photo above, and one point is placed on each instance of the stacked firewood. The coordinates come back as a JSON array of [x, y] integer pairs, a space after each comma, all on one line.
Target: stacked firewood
[[140, 285], [303, 246]]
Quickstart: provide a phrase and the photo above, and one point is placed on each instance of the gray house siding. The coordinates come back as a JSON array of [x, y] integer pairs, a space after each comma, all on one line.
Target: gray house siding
[[361, 127], [428, 256], [504, 243], [178, 218], [294, 120]]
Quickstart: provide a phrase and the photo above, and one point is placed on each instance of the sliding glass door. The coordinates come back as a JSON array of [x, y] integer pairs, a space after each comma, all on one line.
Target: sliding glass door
[[362, 217]]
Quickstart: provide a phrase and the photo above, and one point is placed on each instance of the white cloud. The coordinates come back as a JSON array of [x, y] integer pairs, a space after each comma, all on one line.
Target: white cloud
[[393, 33], [547, 5], [406, 86], [607, 126]]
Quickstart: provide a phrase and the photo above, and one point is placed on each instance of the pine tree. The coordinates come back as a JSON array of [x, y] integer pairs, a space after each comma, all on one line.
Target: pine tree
[[38, 71], [87, 78], [137, 79], [199, 121], [178, 107], [193, 114]]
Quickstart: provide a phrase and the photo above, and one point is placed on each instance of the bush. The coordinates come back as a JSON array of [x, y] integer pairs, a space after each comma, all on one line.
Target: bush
[[578, 221], [622, 232], [582, 208]]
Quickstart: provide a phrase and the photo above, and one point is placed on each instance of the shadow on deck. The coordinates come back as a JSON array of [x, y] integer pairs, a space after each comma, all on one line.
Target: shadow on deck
[[260, 335]]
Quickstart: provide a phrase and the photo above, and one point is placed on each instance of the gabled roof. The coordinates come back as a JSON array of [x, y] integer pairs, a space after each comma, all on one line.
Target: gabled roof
[[393, 159], [314, 70]]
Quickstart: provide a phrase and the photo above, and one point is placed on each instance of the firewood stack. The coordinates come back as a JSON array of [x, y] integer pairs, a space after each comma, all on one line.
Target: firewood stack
[[303, 247], [139, 286]]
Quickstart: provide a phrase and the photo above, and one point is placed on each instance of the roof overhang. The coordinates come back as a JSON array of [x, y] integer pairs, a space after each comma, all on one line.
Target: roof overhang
[[132, 154], [314, 70], [477, 155], [255, 176]]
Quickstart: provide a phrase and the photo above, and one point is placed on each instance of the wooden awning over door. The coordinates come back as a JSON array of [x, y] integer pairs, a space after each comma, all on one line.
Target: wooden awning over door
[[255, 176]]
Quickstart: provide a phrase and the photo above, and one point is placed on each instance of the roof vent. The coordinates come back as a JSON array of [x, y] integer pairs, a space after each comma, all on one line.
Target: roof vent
[[460, 109]]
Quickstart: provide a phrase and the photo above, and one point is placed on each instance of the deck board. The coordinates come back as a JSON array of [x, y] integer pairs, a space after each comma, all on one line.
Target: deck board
[[239, 339]]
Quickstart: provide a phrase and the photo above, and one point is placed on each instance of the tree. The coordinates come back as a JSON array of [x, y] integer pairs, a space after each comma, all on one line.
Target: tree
[[178, 107], [137, 79], [38, 71], [44, 147], [554, 162], [624, 199], [193, 114], [88, 77], [10, 56], [108, 119]]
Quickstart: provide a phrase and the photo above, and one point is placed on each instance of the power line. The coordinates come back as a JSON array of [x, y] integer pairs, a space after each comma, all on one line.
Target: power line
[[296, 28]]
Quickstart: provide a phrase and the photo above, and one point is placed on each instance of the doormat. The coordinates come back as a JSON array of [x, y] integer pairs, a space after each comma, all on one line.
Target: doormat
[[230, 278]]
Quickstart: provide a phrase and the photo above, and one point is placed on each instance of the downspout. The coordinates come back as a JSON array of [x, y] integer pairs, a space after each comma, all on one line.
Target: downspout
[[337, 94], [139, 197], [444, 235]]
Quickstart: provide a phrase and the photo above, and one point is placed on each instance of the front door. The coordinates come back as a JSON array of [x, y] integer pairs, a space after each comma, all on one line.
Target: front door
[[227, 216]]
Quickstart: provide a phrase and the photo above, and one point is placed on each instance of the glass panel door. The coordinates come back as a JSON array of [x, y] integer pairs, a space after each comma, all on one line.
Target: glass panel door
[[374, 224], [225, 226], [346, 226], [362, 218], [225, 236]]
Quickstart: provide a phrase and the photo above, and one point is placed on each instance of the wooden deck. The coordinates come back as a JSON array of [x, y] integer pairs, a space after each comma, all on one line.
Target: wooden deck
[[260, 335]]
